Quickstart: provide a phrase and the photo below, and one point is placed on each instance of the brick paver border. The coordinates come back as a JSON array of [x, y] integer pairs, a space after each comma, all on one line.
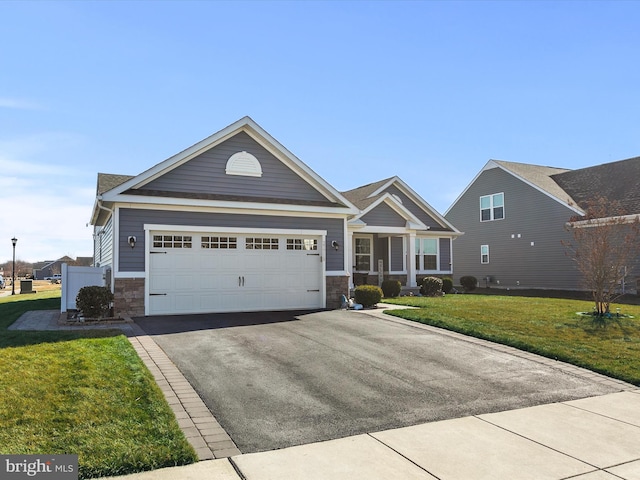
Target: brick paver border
[[201, 428]]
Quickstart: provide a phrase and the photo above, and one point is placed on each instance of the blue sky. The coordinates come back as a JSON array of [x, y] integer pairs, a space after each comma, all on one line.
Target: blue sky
[[359, 91]]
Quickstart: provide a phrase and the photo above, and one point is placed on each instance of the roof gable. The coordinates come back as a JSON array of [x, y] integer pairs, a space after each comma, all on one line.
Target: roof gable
[[387, 211], [176, 181], [537, 176], [363, 197], [215, 172]]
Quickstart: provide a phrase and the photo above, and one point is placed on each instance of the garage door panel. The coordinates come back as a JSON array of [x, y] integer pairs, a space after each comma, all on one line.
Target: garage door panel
[[189, 283], [187, 302], [228, 261], [209, 261], [160, 304], [234, 302], [161, 284], [210, 281], [211, 278], [161, 261], [209, 303]]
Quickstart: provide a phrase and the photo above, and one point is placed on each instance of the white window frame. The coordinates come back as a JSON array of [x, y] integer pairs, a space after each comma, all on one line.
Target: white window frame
[[482, 254], [355, 253], [420, 255], [492, 207]]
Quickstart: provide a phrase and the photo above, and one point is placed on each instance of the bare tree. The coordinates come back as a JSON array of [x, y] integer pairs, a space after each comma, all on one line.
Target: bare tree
[[605, 245]]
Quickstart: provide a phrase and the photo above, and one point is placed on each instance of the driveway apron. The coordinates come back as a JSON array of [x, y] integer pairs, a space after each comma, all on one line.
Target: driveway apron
[[275, 380]]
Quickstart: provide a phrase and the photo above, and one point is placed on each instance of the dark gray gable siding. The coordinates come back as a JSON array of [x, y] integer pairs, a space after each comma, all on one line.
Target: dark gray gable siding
[[529, 213], [132, 223], [416, 210], [384, 216], [205, 174]]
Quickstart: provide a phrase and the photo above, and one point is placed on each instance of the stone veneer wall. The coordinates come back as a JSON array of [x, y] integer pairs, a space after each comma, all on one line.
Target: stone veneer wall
[[336, 286], [128, 297]]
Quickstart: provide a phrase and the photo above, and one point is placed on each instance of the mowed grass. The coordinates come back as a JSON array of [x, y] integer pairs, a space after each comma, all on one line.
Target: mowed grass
[[84, 393], [546, 326]]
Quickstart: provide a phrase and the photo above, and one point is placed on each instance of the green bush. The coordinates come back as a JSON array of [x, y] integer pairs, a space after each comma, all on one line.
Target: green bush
[[367, 295], [431, 286], [391, 288], [94, 301], [447, 285], [469, 283]]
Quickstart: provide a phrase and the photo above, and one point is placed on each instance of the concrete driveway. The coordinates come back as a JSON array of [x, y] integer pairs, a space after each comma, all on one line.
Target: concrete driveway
[[275, 380]]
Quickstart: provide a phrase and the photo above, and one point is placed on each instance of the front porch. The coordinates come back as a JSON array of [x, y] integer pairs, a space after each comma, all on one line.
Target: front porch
[[407, 258]]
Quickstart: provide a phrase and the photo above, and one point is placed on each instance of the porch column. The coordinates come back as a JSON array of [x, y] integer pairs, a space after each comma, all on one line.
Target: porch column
[[348, 252], [411, 261]]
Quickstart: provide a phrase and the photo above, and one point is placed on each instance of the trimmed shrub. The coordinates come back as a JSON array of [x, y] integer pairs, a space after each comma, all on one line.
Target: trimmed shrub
[[367, 295], [431, 286], [447, 285], [391, 288], [94, 301], [469, 283]]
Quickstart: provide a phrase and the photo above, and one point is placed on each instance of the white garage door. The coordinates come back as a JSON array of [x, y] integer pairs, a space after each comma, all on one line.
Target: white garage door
[[214, 272]]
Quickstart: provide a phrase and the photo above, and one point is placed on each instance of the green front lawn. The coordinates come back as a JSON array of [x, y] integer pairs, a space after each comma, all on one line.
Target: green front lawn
[[85, 393], [546, 326]]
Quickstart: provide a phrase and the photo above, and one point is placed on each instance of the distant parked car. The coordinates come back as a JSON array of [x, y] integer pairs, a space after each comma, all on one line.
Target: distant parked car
[[57, 278], [1, 281]]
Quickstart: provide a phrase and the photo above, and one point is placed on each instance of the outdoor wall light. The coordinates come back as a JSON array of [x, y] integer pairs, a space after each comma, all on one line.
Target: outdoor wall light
[[132, 241], [335, 245]]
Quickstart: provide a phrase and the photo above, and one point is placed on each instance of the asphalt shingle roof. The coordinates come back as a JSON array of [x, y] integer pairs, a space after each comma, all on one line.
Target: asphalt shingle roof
[[539, 176], [616, 181], [109, 181], [360, 196]]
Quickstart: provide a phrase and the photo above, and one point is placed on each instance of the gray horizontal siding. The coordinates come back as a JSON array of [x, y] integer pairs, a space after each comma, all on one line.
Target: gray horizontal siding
[[397, 254], [132, 222], [529, 213], [445, 254], [103, 245], [416, 210], [384, 216], [205, 174]]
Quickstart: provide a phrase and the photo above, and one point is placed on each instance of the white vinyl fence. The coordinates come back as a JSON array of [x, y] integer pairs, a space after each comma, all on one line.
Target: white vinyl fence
[[74, 278]]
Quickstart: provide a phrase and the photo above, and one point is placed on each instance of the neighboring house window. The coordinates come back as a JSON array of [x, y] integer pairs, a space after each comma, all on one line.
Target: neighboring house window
[[363, 254], [484, 253], [426, 254], [492, 207]]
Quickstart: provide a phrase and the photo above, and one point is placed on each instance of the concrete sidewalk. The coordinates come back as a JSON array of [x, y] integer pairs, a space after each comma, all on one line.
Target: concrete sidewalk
[[595, 438], [591, 439]]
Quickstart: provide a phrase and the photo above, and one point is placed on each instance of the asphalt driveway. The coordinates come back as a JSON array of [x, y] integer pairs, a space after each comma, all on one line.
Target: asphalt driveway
[[279, 379]]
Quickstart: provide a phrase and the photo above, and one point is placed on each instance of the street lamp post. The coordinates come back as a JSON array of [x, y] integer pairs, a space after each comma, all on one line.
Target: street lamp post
[[14, 240]]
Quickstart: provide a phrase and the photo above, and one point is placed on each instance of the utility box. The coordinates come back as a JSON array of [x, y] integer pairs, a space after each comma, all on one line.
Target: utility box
[[26, 286]]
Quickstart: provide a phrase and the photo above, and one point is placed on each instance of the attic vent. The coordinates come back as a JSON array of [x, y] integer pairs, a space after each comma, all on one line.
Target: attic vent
[[243, 163], [397, 198]]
